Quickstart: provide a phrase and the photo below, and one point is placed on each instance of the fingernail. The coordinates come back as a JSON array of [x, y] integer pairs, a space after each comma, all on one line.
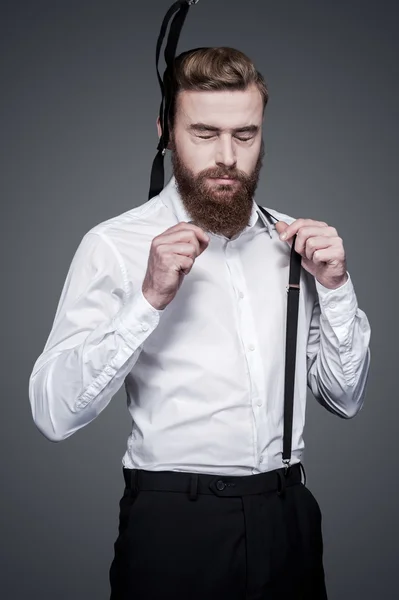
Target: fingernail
[[283, 236]]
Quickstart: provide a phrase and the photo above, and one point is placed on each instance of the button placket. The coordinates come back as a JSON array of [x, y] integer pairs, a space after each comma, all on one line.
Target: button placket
[[243, 307], [250, 343], [248, 332]]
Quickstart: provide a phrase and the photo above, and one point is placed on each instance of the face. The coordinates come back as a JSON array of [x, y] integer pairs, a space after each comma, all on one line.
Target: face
[[217, 152]]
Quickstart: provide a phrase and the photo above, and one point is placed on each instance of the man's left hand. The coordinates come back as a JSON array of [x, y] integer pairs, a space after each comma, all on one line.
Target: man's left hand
[[321, 248]]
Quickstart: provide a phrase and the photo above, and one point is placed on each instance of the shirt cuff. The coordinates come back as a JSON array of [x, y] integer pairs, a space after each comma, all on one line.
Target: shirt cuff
[[137, 319], [340, 305]]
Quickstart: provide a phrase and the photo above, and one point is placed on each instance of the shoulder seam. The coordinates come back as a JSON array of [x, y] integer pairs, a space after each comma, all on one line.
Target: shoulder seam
[[130, 215], [101, 231], [118, 256]]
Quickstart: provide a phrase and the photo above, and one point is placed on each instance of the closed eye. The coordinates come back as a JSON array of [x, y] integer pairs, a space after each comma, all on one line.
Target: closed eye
[[209, 137]]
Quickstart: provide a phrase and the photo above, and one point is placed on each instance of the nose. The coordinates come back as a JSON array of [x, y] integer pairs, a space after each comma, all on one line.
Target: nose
[[225, 152]]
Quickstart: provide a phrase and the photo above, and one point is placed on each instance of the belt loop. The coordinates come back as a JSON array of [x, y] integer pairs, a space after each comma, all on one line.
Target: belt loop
[[134, 482], [304, 473], [193, 492], [280, 484]]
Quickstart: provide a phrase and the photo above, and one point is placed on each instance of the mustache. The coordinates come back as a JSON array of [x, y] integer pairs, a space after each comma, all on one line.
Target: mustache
[[220, 173]]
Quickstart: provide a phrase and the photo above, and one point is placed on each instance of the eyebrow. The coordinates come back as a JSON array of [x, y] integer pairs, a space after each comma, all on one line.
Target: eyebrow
[[198, 127]]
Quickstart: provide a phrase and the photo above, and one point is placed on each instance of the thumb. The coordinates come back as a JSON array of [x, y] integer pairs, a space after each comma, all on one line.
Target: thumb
[[281, 226]]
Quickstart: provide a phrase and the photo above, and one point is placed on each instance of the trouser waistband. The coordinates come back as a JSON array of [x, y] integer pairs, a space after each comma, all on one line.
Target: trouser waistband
[[220, 485]]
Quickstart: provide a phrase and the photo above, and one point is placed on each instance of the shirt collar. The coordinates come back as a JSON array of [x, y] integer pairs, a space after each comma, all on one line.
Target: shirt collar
[[171, 197]]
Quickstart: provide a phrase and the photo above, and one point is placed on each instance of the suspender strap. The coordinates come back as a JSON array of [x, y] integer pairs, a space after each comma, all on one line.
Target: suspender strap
[[290, 350], [178, 11], [293, 290]]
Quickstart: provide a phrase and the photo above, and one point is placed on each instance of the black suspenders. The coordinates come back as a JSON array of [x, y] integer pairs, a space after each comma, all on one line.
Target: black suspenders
[[178, 12], [293, 289]]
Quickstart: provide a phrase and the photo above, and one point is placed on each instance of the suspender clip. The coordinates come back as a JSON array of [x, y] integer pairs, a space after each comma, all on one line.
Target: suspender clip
[[287, 464]]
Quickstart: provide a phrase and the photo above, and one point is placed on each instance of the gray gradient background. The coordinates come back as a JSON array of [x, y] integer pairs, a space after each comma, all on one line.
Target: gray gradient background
[[79, 100]]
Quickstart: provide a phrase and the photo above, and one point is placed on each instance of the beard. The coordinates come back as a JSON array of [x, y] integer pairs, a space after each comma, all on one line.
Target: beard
[[222, 209]]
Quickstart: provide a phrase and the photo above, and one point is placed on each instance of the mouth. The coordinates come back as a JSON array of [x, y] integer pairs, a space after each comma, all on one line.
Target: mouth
[[224, 180]]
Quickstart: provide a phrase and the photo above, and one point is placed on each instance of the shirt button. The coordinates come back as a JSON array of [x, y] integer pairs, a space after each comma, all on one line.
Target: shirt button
[[259, 403], [144, 327], [260, 459], [241, 294], [251, 347], [332, 305]]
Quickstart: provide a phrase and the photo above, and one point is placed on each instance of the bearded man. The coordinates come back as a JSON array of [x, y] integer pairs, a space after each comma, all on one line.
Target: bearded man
[[183, 299]]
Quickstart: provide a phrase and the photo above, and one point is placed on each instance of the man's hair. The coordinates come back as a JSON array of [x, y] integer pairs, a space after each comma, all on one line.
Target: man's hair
[[207, 69]]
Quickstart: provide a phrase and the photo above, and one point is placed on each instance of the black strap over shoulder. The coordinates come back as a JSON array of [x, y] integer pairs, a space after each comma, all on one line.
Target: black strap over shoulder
[[178, 11], [293, 290]]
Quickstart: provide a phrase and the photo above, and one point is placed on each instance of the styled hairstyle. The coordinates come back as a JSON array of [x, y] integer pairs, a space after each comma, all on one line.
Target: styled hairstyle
[[206, 69]]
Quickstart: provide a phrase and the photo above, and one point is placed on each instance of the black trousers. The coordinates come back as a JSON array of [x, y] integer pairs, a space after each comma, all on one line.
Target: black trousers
[[197, 537]]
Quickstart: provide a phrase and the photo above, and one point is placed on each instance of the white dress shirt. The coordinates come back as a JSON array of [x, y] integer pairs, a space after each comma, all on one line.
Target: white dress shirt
[[204, 377]]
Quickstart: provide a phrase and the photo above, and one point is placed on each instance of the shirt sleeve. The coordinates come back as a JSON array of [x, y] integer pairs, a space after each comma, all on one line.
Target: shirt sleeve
[[338, 351], [96, 338]]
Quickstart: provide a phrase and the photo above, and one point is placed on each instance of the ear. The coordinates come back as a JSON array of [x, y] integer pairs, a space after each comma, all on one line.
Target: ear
[[159, 128]]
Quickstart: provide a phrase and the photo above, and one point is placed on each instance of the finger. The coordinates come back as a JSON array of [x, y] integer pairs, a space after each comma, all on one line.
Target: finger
[[204, 238], [187, 226], [185, 264], [296, 225], [281, 226], [180, 249], [191, 232], [305, 233], [332, 255], [313, 244], [180, 236]]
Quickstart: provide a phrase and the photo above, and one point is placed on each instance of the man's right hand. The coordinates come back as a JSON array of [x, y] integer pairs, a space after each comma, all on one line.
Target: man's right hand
[[172, 255]]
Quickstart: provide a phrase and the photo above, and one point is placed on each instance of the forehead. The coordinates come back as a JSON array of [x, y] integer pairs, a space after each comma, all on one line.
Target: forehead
[[224, 109]]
